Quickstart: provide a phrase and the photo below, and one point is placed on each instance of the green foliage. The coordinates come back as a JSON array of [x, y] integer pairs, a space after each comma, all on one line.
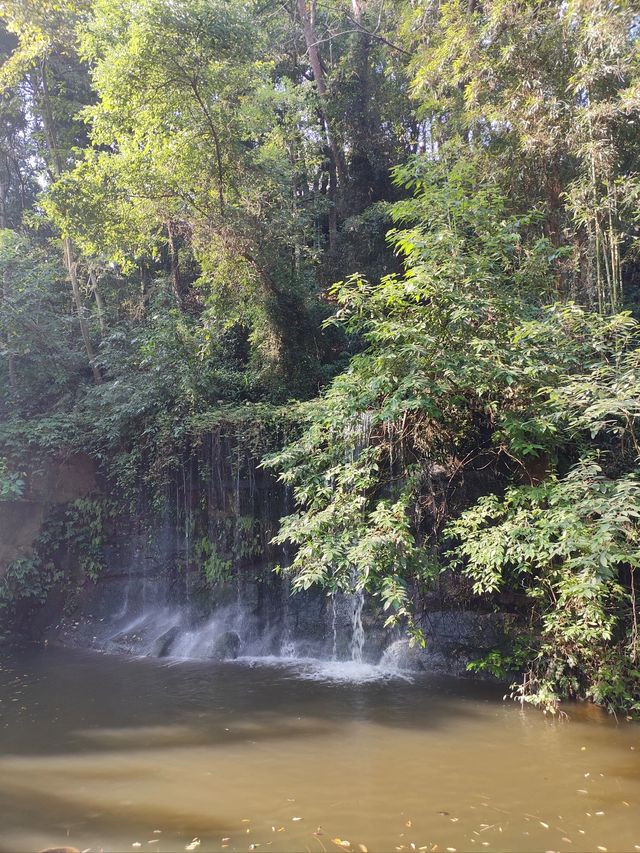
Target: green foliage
[[214, 568], [501, 663], [68, 552], [568, 544], [545, 99], [464, 363], [11, 483], [201, 171], [26, 579], [40, 360], [231, 541]]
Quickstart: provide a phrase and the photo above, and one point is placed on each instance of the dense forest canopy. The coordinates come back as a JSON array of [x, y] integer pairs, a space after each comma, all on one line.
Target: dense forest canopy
[[410, 228]]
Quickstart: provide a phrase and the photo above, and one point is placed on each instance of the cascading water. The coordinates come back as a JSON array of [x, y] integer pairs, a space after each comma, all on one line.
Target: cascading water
[[334, 628], [357, 628], [159, 605], [334, 649]]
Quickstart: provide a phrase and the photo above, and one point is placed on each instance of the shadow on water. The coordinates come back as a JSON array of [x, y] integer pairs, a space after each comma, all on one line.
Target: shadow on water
[[37, 815], [67, 699], [75, 727]]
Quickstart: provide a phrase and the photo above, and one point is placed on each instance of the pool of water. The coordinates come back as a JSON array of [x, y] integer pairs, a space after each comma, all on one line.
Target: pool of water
[[117, 754]]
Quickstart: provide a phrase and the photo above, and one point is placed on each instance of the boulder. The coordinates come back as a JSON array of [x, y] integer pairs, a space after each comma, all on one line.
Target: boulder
[[162, 646], [226, 646]]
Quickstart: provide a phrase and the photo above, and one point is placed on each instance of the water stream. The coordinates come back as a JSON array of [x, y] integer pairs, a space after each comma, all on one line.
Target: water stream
[[107, 752], [357, 628]]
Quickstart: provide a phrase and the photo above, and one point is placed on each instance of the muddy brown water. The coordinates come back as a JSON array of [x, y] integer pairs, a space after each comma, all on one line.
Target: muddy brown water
[[118, 754]]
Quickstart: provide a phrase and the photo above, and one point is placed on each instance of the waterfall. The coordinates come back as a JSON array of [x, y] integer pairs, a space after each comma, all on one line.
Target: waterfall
[[357, 628], [362, 435], [334, 627], [288, 647], [250, 616]]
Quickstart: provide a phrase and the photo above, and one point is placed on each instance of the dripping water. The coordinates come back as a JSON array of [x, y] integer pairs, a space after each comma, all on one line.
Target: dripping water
[[334, 628]]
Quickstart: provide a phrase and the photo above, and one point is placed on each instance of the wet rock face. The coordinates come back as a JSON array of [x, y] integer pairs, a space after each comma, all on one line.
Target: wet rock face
[[165, 642], [305, 626], [50, 484], [153, 598], [226, 647]]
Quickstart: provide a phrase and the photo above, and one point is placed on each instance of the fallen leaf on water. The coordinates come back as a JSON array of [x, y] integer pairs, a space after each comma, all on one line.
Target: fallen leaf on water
[[454, 819], [408, 823], [546, 825], [245, 820], [599, 814], [340, 842], [568, 840], [434, 847], [625, 803], [253, 846], [157, 831], [451, 849], [281, 829], [228, 838], [363, 848], [582, 791], [602, 849], [195, 843], [296, 818]]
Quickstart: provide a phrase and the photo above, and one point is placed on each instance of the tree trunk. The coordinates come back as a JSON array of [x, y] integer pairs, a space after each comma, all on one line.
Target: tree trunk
[[99, 302], [176, 284], [4, 191], [69, 261], [363, 122], [72, 271], [321, 85]]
